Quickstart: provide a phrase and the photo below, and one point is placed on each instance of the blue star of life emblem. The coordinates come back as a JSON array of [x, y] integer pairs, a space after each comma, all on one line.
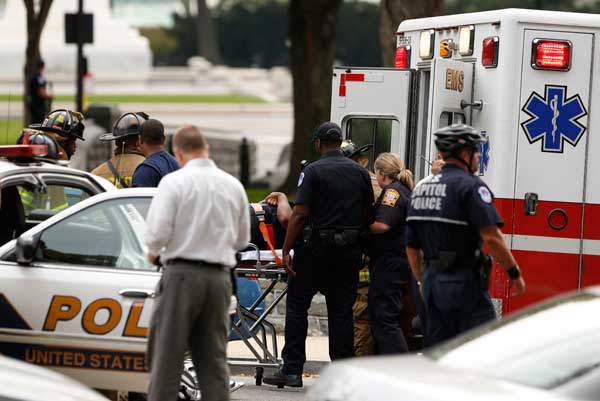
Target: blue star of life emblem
[[554, 118], [484, 151]]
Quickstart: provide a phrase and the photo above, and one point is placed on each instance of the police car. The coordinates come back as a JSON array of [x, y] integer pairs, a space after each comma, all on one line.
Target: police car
[[527, 356], [34, 188]]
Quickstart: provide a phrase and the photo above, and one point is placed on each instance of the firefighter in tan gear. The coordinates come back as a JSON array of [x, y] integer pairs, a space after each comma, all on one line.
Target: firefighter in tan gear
[[363, 339], [63, 127], [127, 155]]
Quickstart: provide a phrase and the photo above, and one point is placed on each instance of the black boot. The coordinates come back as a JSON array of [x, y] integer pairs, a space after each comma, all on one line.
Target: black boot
[[281, 380]]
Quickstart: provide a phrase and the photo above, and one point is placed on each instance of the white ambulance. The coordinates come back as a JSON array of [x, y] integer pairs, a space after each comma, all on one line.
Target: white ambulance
[[529, 80]]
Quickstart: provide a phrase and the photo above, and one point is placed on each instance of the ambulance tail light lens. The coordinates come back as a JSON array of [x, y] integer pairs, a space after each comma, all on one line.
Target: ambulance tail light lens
[[403, 57], [489, 54], [426, 42], [551, 55], [20, 151]]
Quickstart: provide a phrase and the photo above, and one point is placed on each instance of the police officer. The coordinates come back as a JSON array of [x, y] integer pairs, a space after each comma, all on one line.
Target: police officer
[[363, 337], [332, 206], [451, 216], [38, 97], [390, 273], [126, 133]]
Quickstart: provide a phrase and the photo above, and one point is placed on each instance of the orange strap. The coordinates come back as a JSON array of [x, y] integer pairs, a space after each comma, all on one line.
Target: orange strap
[[260, 214]]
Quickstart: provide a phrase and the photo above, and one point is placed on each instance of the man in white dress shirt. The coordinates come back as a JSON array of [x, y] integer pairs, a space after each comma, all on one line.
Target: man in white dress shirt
[[198, 219]]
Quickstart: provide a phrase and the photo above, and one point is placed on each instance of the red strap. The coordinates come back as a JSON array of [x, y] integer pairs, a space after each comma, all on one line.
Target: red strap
[[265, 233]]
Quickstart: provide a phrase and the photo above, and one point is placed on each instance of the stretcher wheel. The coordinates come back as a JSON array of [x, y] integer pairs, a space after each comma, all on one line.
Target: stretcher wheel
[[260, 371]]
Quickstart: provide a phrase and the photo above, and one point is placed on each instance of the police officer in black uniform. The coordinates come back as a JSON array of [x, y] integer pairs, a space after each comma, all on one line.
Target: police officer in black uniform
[[331, 212], [388, 267], [450, 217]]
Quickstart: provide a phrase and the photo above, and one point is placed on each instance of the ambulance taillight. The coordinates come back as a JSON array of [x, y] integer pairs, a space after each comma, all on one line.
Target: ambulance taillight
[[489, 54], [403, 57], [551, 54]]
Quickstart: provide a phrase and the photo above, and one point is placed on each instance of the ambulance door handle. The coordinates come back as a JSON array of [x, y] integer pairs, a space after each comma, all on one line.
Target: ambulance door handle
[[135, 293], [476, 105], [531, 203]]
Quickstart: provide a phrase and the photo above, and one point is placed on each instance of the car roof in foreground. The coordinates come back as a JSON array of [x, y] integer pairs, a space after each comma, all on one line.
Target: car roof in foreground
[[23, 381]]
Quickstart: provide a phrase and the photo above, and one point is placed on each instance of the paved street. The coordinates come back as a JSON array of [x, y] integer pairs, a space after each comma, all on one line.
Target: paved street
[[268, 393]]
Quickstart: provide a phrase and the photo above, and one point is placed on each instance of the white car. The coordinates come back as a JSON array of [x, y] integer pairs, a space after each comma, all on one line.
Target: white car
[[21, 381], [76, 292], [548, 351]]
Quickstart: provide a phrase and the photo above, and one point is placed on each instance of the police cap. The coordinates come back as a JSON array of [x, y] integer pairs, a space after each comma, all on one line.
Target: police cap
[[328, 132], [451, 139], [127, 124]]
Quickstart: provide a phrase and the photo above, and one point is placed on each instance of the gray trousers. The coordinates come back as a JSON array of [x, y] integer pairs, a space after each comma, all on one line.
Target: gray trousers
[[191, 313]]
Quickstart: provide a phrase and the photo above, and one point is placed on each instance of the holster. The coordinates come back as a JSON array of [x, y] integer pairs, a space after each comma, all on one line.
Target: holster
[[485, 268]]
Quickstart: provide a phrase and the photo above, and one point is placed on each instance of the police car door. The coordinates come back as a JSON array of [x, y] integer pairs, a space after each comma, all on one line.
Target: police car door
[[551, 162], [372, 106], [451, 89], [83, 305]]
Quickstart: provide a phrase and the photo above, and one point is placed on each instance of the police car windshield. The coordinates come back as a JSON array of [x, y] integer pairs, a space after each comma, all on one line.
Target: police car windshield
[[543, 347]]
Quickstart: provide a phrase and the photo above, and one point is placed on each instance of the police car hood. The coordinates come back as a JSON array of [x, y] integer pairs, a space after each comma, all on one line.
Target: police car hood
[[412, 378], [22, 381]]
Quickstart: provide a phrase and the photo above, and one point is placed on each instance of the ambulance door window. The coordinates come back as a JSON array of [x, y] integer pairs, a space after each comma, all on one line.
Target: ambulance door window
[[449, 118], [109, 234], [374, 131]]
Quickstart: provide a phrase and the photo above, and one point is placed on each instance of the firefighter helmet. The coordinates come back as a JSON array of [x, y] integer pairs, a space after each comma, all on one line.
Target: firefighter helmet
[[39, 138], [450, 140], [127, 124], [62, 122], [350, 149]]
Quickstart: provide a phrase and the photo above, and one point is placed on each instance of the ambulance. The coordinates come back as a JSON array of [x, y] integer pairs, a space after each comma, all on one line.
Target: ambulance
[[529, 80]]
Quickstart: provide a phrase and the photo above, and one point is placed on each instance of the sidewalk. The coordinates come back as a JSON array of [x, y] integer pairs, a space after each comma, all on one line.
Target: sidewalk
[[317, 349]]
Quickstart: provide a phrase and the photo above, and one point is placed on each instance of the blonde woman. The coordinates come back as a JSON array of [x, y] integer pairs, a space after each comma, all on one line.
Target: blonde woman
[[389, 269]]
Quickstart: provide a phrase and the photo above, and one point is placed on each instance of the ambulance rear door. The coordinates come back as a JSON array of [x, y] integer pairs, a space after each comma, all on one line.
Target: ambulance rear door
[[373, 106], [551, 164], [451, 89]]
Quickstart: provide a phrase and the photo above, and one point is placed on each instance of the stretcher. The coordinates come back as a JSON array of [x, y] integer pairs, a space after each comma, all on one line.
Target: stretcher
[[250, 323]]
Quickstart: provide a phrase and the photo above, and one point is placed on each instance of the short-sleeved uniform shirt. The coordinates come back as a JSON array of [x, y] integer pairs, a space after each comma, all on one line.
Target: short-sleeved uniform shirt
[[446, 212], [390, 208], [337, 190], [153, 169], [35, 102]]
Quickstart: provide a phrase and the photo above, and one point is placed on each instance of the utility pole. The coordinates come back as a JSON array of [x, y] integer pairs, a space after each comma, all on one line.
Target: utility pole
[[79, 30]]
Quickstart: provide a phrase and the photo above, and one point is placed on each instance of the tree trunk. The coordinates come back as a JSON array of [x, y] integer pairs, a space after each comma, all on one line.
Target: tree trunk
[[395, 11], [208, 46], [36, 19], [312, 25]]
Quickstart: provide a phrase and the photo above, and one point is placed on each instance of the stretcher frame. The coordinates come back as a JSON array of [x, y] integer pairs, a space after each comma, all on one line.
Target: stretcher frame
[[256, 327]]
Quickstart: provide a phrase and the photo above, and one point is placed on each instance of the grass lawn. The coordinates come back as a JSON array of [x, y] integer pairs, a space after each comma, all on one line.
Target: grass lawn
[[10, 130], [149, 99], [257, 194]]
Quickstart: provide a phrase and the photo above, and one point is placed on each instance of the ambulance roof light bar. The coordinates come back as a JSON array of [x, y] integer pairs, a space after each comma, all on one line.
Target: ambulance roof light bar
[[23, 151], [403, 57], [466, 39], [489, 54], [548, 54], [426, 43]]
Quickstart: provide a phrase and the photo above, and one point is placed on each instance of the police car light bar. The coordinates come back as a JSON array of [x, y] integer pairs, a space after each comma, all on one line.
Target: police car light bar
[[489, 54], [403, 57], [20, 151], [551, 54]]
